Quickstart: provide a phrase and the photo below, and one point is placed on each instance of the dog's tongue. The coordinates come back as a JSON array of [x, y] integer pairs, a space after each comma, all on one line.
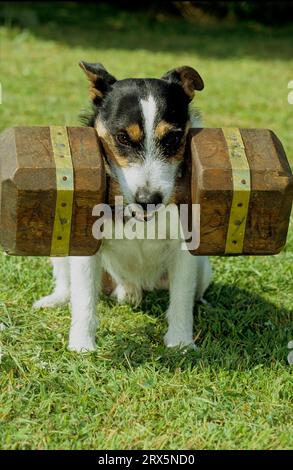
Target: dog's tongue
[[144, 216], [139, 214]]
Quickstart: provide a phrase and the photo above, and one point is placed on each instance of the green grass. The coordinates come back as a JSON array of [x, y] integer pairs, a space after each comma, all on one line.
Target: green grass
[[236, 392]]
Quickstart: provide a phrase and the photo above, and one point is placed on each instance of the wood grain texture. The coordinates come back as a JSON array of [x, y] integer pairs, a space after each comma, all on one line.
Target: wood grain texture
[[271, 197], [28, 199], [89, 183], [28, 194], [211, 187], [271, 190], [28, 190]]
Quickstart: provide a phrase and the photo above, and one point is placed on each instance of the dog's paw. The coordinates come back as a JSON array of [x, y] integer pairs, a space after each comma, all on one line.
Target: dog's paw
[[176, 340], [82, 344], [50, 301]]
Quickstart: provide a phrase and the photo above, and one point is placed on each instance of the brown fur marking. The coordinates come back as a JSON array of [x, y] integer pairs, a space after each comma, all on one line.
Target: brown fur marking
[[134, 132], [94, 92], [190, 80], [162, 129], [109, 146], [178, 156]]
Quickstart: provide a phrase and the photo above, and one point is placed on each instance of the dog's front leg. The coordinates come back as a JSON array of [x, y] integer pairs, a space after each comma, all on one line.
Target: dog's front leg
[[182, 278], [61, 293], [85, 273]]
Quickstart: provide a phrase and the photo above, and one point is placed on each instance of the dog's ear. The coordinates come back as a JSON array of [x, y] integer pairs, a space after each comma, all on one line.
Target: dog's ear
[[100, 80], [188, 78]]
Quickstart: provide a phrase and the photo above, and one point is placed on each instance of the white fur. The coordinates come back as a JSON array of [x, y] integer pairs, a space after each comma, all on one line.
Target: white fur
[[61, 293], [135, 265], [85, 273], [152, 171], [149, 109], [158, 175]]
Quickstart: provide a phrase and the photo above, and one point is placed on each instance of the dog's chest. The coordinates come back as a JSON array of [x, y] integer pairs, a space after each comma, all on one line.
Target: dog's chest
[[139, 262]]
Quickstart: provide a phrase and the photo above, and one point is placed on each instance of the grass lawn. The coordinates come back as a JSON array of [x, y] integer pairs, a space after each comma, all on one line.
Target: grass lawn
[[236, 392]]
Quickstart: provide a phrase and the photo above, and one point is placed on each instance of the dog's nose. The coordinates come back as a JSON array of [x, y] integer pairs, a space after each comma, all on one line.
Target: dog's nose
[[143, 197]]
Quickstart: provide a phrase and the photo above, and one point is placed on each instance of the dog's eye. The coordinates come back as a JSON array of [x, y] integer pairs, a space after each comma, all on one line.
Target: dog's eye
[[172, 140], [123, 138]]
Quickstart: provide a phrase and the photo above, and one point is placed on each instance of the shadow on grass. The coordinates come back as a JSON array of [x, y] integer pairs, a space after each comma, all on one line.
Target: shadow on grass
[[237, 330], [104, 26]]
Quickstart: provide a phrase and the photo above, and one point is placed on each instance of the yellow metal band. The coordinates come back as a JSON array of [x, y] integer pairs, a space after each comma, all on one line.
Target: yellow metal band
[[60, 243], [241, 191]]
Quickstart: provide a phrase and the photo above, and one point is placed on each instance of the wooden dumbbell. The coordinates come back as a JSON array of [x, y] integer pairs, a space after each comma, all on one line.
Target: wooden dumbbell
[[52, 177]]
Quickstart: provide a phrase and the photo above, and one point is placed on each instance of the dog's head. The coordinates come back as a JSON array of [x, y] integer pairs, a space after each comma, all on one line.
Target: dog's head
[[142, 124]]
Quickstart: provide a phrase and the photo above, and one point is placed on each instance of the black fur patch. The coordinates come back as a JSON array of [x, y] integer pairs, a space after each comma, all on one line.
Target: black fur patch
[[121, 108]]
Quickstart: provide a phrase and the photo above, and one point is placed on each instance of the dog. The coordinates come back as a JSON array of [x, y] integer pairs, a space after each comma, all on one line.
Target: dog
[[142, 125]]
